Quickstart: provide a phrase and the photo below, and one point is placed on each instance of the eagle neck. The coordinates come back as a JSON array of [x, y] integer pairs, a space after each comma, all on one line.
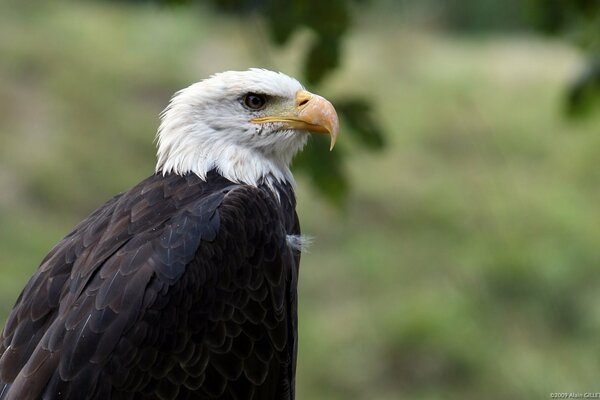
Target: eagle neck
[[237, 164]]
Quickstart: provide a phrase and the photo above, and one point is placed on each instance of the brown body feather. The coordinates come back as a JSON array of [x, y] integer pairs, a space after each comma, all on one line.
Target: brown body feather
[[177, 289]]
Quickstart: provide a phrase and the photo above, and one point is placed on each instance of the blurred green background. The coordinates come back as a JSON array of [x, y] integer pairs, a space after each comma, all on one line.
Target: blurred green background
[[463, 261]]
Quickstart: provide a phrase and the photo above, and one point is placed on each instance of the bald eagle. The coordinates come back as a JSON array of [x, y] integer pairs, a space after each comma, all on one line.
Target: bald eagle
[[184, 286]]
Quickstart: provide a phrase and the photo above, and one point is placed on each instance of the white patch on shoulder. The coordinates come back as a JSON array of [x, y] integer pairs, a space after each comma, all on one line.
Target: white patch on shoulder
[[299, 242]]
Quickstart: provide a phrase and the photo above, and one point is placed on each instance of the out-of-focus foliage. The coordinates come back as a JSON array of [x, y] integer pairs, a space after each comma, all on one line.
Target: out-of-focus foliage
[[579, 20], [466, 265], [575, 20], [329, 21]]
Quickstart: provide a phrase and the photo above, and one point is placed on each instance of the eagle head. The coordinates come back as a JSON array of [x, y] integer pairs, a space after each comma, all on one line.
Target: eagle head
[[247, 125]]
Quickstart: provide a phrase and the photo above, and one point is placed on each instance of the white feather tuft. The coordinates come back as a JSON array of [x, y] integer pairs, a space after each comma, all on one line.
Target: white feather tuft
[[300, 242]]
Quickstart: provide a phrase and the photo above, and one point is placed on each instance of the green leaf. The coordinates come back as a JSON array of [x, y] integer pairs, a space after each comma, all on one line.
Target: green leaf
[[358, 114], [282, 18], [584, 92], [322, 58], [324, 169]]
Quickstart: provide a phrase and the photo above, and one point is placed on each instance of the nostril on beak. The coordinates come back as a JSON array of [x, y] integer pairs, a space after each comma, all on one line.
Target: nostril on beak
[[302, 98]]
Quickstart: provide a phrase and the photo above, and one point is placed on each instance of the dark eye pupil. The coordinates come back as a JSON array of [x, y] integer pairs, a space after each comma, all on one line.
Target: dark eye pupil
[[254, 101]]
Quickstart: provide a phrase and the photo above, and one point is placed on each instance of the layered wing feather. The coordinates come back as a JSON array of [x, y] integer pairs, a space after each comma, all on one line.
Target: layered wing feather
[[177, 289]]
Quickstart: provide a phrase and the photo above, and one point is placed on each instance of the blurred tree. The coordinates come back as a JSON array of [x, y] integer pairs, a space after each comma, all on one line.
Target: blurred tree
[[329, 21], [580, 21], [576, 20]]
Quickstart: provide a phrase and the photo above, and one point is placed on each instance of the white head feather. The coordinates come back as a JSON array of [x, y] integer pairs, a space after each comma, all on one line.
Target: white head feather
[[206, 126]]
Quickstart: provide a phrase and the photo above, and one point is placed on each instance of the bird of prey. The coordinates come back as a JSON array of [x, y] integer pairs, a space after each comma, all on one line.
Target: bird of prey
[[184, 286]]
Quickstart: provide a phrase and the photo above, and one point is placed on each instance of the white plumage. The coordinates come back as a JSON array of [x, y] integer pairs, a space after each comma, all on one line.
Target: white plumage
[[206, 126]]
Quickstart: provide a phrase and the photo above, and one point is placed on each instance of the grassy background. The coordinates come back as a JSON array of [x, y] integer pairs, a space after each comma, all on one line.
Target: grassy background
[[466, 263]]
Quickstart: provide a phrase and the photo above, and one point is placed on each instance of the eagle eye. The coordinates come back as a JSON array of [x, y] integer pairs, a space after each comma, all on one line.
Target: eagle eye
[[255, 101]]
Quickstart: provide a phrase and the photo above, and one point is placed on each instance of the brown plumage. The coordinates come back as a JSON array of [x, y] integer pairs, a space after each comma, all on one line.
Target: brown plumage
[[176, 289]]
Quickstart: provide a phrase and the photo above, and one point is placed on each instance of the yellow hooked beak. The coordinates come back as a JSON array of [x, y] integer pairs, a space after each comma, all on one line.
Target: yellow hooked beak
[[311, 113]]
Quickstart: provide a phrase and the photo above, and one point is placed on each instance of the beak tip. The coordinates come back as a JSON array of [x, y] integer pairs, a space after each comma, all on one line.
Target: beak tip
[[334, 134], [333, 140]]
